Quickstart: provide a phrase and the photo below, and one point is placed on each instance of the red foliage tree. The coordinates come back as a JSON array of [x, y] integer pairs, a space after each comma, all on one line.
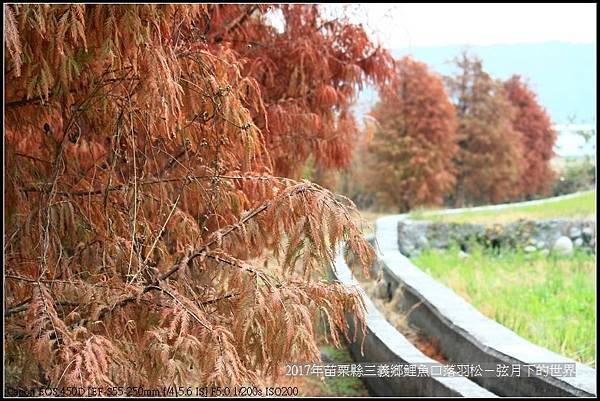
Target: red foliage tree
[[538, 138], [410, 156], [308, 75], [490, 160], [140, 196]]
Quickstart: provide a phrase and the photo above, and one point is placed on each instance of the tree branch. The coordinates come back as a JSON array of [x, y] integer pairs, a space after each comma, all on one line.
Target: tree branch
[[235, 23]]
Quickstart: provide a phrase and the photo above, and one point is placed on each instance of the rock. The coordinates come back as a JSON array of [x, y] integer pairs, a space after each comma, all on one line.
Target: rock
[[411, 236], [574, 232], [407, 249], [463, 255], [545, 252], [563, 246], [415, 236], [587, 233], [422, 241]]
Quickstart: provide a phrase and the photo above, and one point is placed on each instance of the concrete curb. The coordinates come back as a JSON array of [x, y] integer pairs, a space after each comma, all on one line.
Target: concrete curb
[[383, 343], [465, 334]]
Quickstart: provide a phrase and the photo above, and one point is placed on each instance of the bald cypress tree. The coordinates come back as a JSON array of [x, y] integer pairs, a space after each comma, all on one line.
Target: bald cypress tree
[[490, 160], [141, 194], [538, 137], [414, 142]]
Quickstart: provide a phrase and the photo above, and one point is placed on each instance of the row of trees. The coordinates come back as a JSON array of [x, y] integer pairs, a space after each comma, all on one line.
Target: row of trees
[[462, 139], [148, 155]]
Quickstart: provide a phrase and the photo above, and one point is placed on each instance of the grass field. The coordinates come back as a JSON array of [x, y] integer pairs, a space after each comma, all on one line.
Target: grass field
[[334, 386], [549, 300], [581, 206]]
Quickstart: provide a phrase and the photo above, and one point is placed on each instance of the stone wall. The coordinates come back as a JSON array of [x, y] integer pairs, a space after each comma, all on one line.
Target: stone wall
[[560, 235]]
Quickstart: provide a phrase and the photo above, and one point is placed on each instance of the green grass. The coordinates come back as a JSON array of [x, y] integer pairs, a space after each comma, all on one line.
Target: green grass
[[335, 386], [581, 206], [549, 300]]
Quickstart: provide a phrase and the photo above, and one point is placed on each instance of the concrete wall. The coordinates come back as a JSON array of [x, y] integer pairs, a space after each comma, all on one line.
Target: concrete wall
[[464, 334], [383, 343]]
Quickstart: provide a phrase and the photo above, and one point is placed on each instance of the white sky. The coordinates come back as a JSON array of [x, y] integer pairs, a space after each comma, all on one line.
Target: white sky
[[417, 25]]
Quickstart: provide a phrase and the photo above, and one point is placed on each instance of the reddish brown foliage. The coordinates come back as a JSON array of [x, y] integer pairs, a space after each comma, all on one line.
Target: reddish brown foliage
[[308, 76], [490, 160], [538, 138], [410, 156], [139, 192]]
